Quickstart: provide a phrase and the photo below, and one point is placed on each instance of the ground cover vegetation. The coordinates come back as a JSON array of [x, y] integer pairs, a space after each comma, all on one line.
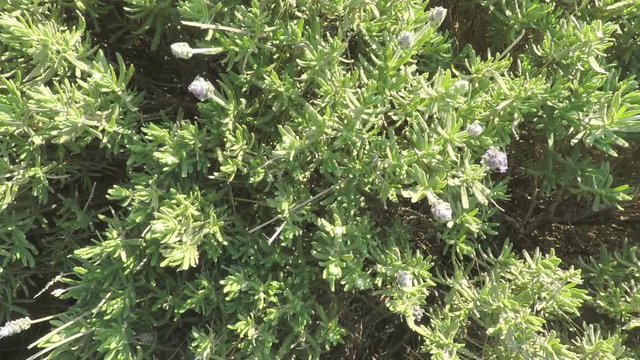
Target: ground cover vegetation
[[333, 179]]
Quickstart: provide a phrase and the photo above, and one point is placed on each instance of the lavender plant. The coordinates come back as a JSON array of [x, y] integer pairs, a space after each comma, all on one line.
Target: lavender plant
[[510, 307], [65, 111], [324, 152], [613, 279]]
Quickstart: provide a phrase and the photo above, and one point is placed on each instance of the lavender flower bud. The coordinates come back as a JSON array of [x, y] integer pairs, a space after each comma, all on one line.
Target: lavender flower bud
[[14, 327], [442, 211], [418, 313], [404, 279], [201, 88], [475, 129], [436, 16], [495, 160], [405, 39], [181, 50]]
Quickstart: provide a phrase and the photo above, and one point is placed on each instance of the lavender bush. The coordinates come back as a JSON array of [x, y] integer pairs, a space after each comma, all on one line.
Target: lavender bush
[[283, 179]]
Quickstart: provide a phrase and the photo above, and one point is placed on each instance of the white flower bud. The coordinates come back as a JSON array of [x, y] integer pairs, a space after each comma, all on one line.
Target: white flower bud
[[14, 327], [441, 211], [58, 292], [436, 16], [475, 129], [405, 39], [404, 280], [418, 313], [202, 89], [182, 50], [495, 160]]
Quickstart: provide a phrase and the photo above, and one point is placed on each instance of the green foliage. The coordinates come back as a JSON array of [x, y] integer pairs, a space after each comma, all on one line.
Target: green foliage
[[510, 18], [349, 151], [614, 280], [58, 98], [627, 14], [152, 15], [582, 106], [506, 307]]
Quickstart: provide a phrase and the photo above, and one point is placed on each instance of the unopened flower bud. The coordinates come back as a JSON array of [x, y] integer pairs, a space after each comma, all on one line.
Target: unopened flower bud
[[436, 16], [405, 39], [441, 211], [14, 327], [182, 50], [495, 160], [404, 279], [58, 292], [201, 88], [418, 313], [475, 129]]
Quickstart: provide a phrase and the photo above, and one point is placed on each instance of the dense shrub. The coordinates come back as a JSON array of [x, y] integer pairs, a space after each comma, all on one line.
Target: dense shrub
[[338, 150]]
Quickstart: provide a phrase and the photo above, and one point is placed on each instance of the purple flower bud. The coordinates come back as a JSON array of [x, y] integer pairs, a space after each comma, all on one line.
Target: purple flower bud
[[404, 279], [201, 88], [436, 16], [495, 160], [418, 313], [475, 129], [441, 211], [405, 39]]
